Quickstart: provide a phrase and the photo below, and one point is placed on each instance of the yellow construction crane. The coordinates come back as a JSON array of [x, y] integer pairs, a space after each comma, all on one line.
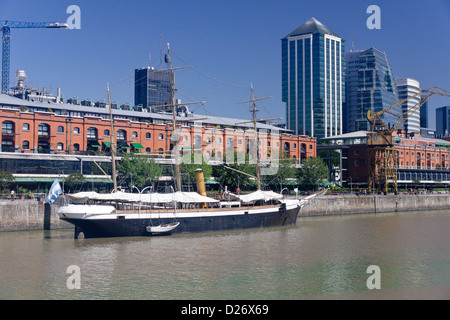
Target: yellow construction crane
[[382, 155]]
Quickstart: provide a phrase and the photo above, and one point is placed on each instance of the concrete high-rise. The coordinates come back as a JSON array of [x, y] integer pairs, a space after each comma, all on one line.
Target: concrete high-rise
[[369, 86], [313, 80], [406, 88]]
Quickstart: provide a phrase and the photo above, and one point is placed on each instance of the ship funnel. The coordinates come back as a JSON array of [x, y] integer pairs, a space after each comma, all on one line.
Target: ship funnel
[[200, 180]]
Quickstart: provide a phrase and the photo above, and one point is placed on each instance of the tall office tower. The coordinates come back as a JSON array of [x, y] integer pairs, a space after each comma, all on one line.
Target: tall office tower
[[407, 87], [313, 80], [350, 109], [151, 87], [424, 115], [443, 121], [370, 86]]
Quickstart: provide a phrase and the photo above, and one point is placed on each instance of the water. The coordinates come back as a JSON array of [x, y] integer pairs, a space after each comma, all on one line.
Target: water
[[319, 258]]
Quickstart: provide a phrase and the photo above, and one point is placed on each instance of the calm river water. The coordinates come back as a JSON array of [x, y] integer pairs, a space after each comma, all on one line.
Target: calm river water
[[319, 258]]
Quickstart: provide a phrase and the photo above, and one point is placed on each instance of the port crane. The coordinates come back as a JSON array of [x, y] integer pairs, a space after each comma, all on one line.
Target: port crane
[[6, 26], [382, 155]]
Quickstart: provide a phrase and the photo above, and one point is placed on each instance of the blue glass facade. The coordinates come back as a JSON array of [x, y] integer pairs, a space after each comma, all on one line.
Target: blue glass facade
[[443, 121], [370, 86], [152, 87], [313, 86]]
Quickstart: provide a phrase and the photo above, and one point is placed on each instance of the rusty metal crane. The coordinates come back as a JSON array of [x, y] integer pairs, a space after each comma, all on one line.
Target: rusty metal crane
[[382, 155]]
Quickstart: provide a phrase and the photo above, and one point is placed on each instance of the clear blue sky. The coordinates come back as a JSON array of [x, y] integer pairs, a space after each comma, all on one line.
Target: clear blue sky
[[229, 43]]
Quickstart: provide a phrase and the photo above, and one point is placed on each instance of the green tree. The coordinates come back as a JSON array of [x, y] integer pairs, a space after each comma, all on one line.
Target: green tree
[[188, 166], [138, 170], [5, 179], [233, 179], [286, 169], [74, 180], [312, 172]]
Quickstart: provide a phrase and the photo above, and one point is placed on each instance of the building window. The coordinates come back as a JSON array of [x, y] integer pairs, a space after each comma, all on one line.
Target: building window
[[106, 133], [76, 147], [8, 127], [8, 146], [26, 145], [60, 147], [76, 130], [43, 129], [148, 135], [197, 142], [60, 129], [26, 127], [219, 140], [43, 147], [148, 150], [92, 133], [134, 134], [121, 135], [161, 136]]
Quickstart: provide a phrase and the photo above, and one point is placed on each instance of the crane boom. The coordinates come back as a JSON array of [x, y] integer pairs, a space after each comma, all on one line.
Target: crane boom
[[382, 155], [6, 26]]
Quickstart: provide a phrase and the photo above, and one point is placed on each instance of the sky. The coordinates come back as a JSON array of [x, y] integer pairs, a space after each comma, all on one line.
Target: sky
[[229, 44]]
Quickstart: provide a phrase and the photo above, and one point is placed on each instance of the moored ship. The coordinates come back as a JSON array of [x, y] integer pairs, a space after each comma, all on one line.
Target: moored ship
[[129, 214]]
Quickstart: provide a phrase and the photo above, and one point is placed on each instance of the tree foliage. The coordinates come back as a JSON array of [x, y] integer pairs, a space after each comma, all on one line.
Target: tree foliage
[[286, 170], [189, 163], [312, 171], [233, 179], [74, 180], [138, 170], [5, 179]]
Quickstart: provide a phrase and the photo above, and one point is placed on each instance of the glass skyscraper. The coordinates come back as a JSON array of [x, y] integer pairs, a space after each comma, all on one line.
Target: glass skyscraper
[[313, 80], [443, 121], [152, 87], [370, 86]]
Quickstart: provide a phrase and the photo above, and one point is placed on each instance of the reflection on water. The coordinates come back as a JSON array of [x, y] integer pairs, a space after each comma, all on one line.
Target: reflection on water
[[321, 257]]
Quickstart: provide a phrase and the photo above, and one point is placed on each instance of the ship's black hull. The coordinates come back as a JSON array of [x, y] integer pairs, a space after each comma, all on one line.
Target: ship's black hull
[[131, 227]]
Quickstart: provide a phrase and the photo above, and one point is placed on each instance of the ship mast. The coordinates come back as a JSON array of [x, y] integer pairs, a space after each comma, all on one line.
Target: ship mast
[[175, 141], [113, 143], [253, 100], [174, 120]]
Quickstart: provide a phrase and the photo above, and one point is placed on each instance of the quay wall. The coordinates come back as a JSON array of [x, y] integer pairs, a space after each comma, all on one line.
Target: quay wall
[[21, 215], [341, 205]]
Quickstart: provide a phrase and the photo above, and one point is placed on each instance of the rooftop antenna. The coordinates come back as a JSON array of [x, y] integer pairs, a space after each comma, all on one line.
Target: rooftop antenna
[[160, 50], [149, 54], [353, 42]]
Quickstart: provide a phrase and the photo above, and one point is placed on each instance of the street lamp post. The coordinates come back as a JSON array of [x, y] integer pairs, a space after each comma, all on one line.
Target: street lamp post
[[140, 195]]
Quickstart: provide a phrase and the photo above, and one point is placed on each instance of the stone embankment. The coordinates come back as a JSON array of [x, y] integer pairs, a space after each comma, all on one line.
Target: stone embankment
[[20, 215], [340, 205]]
